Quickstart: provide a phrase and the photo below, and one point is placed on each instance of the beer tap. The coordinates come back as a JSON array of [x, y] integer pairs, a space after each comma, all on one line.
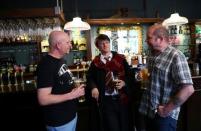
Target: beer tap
[[1, 78], [83, 63], [16, 83], [22, 76], [16, 68], [78, 75], [10, 70]]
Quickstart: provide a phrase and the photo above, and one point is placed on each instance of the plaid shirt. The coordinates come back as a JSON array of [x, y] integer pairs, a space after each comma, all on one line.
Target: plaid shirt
[[167, 71]]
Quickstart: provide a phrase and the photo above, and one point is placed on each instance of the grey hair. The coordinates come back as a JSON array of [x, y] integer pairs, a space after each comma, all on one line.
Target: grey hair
[[160, 31]]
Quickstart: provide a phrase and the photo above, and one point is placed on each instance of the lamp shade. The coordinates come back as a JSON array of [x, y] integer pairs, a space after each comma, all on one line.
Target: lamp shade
[[77, 23], [175, 19]]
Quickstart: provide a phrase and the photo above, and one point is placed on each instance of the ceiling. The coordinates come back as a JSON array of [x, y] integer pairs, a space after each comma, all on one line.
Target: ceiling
[[113, 8]]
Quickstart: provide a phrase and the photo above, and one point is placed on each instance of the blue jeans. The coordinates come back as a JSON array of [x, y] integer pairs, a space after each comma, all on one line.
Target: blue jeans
[[70, 126], [161, 124]]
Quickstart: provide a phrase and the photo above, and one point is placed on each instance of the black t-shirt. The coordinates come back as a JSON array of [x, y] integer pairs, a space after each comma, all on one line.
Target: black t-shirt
[[52, 72]]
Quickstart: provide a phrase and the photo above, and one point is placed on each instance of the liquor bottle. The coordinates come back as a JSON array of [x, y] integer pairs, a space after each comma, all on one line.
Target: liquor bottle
[[140, 59], [185, 31], [78, 58], [75, 45], [144, 59], [134, 61], [188, 30], [74, 59], [172, 30], [180, 30], [175, 29], [169, 30]]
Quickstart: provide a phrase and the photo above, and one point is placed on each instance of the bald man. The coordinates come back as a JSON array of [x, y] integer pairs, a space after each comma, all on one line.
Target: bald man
[[56, 93], [169, 85]]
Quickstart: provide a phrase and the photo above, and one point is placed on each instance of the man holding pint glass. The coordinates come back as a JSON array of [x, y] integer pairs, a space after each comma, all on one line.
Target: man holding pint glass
[[56, 93], [108, 80], [169, 82]]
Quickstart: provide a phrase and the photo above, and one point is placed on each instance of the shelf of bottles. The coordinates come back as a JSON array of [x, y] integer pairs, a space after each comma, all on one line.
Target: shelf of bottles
[[197, 36], [24, 37], [78, 62], [27, 29], [179, 29], [180, 38], [20, 49], [78, 52], [198, 47], [198, 33]]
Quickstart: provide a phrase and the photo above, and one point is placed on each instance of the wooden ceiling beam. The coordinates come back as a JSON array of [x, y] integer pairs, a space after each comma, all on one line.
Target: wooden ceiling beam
[[111, 21]]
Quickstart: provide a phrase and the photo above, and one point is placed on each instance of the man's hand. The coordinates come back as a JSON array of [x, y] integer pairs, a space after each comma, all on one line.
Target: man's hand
[[162, 111], [77, 92], [119, 84], [95, 93]]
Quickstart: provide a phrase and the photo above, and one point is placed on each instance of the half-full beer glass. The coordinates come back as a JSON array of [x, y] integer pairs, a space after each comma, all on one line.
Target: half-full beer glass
[[77, 83], [144, 75]]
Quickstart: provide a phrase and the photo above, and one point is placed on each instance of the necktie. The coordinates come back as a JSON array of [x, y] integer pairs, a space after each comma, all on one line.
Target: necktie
[[108, 79], [107, 59], [108, 83]]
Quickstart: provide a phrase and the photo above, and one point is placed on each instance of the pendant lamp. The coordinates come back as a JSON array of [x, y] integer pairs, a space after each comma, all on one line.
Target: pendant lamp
[[175, 19], [77, 23]]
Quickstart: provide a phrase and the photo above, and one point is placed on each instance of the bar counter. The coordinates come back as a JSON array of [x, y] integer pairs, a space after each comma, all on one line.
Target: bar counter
[[20, 110], [191, 110]]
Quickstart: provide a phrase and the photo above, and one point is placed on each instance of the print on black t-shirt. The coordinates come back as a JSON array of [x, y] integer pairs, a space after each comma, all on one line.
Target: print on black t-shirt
[[65, 76]]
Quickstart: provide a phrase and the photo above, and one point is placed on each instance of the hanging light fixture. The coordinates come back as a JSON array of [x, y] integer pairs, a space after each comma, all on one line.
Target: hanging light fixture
[[77, 23], [175, 19]]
